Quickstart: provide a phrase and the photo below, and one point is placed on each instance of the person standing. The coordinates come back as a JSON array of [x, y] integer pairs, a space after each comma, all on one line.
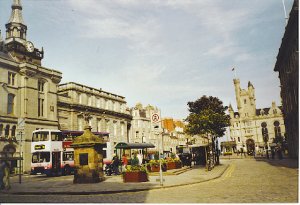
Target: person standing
[[124, 161], [115, 164], [140, 157]]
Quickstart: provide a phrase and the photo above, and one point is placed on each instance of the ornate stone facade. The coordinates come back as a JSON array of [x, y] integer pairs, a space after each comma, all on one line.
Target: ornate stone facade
[[107, 111], [250, 127], [27, 89], [287, 65], [142, 128]]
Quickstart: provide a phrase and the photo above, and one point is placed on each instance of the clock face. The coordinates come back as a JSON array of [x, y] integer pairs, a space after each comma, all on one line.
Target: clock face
[[29, 46]]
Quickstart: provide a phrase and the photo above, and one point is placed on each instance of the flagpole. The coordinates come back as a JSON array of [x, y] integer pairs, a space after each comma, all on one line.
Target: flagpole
[[235, 73], [233, 69], [286, 18]]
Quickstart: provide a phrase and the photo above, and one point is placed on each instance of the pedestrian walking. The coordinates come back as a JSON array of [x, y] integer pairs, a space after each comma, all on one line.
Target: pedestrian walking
[[2, 165], [189, 160], [273, 153], [4, 175], [279, 152]]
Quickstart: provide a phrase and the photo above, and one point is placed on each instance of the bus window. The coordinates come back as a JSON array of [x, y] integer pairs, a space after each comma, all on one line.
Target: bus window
[[40, 136], [40, 157], [44, 136], [35, 137], [56, 136], [68, 156]]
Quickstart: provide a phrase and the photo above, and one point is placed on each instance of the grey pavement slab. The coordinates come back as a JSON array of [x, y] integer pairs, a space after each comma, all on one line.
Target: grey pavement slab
[[42, 185]]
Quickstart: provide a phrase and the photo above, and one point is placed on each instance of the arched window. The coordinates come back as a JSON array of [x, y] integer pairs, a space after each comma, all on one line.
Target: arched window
[[264, 131], [13, 131], [277, 129], [6, 131]]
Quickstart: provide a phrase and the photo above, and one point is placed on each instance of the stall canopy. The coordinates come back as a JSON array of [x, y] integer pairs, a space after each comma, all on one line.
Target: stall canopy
[[123, 145]]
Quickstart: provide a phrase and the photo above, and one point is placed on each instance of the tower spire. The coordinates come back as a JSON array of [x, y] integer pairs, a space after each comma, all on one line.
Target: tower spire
[[16, 14], [16, 28]]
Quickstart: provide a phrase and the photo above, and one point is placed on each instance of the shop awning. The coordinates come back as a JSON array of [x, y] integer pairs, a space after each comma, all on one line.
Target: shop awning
[[124, 145]]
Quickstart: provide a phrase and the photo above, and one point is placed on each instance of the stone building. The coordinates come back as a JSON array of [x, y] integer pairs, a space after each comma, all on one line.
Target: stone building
[[170, 131], [28, 91], [107, 111], [142, 130], [253, 128], [287, 65], [173, 134]]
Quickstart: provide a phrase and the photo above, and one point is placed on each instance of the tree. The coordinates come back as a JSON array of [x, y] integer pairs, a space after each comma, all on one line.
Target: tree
[[207, 117]]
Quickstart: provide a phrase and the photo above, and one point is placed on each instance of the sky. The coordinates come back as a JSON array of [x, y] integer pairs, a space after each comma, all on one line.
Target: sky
[[160, 52]]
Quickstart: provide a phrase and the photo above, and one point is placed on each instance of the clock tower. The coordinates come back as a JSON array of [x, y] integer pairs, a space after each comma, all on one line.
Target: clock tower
[[16, 43]]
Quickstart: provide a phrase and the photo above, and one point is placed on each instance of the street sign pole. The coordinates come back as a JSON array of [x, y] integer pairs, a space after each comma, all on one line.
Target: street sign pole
[[160, 170], [21, 126], [156, 122]]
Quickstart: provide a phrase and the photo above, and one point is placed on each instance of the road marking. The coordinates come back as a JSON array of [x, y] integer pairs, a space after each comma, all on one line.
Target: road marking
[[230, 171]]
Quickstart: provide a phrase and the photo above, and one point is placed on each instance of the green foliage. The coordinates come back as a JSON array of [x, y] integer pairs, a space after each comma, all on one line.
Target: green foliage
[[207, 116], [134, 160], [156, 156], [136, 168]]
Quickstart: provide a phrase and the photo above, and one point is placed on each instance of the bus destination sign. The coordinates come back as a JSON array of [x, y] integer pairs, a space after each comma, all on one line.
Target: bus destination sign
[[39, 147]]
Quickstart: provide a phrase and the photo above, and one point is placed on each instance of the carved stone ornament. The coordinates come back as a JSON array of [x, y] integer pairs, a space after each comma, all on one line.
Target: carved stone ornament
[[27, 72]]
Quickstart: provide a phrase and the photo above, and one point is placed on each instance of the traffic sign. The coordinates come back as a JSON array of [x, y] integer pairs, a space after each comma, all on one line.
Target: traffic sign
[[21, 123], [155, 118]]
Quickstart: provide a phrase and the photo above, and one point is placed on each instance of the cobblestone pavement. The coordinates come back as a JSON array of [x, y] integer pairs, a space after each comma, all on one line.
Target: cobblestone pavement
[[244, 181]]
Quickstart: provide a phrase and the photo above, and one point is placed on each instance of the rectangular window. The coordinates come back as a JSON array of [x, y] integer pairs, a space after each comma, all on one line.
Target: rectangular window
[[10, 103], [68, 156], [39, 157], [11, 78], [40, 107], [40, 136], [56, 136], [40, 86]]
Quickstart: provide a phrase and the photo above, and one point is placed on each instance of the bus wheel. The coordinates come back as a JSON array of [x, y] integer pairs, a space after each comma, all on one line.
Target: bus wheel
[[67, 170]]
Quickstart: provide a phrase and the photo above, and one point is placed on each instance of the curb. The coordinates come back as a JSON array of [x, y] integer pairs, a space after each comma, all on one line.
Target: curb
[[115, 191]]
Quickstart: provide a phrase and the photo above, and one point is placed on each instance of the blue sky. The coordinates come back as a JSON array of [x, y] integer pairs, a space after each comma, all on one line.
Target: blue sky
[[160, 52]]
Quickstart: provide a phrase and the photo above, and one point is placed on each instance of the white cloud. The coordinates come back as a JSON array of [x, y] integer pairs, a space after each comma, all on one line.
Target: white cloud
[[176, 50]]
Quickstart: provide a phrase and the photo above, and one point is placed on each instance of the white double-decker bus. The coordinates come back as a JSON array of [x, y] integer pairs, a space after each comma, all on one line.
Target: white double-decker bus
[[51, 153]]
